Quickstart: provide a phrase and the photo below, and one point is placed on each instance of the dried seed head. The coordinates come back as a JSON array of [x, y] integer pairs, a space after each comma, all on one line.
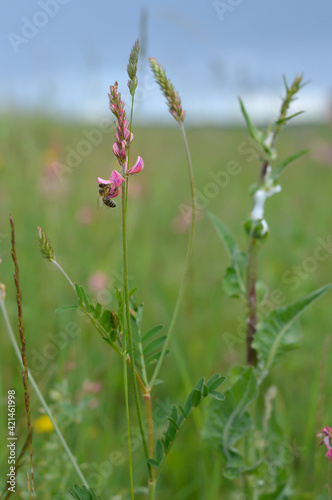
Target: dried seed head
[[172, 97], [44, 245]]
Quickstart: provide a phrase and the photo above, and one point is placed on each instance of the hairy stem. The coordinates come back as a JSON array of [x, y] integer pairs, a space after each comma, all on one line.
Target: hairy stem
[[187, 261], [252, 300]]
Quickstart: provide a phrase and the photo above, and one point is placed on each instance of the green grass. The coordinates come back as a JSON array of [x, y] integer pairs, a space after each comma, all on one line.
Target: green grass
[[297, 217]]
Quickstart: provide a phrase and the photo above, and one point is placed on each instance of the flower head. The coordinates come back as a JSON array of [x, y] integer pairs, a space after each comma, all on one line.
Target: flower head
[[172, 97], [132, 68]]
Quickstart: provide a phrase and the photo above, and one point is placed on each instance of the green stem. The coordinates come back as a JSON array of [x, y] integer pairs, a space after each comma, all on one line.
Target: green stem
[[125, 385], [186, 264], [149, 415], [40, 396], [128, 329], [152, 487], [63, 272]]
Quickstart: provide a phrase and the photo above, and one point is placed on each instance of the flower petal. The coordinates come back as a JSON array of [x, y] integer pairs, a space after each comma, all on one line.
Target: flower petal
[[139, 165], [116, 178], [329, 454], [103, 181]]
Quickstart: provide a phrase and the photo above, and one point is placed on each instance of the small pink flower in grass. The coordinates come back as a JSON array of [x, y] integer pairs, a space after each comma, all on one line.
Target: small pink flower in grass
[[326, 436], [139, 165]]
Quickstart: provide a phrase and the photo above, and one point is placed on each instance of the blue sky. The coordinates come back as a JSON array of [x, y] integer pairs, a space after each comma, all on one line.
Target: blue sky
[[60, 56]]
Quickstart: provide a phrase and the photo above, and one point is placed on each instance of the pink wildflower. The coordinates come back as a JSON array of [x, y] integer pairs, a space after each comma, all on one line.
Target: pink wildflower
[[139, 165], [115, 181]]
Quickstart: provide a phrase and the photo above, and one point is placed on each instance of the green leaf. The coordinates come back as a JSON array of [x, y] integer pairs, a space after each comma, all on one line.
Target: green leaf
[[97, 311], [231, 284], [200, 385], [217, 395], [234, 280], [283, 492], [132, 291], [152, 333], [154, 345], [277, 333], [188, 405], [223, 233], [153, 462], [105, 321], [65, 308], [82, 493], [229, 420], [159, 451], [283, 121], [284, 163], [153, 358], [214, 379], [87, 301], [196, 397], [256, 134], [79, 293]]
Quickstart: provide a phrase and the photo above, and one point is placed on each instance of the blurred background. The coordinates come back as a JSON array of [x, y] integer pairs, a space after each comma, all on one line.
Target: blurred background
[[59, 58]]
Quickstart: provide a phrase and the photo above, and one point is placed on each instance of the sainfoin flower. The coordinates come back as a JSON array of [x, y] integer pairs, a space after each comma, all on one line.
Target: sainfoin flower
[[120, 148], [114, 181], [139, 165], [326, 437]]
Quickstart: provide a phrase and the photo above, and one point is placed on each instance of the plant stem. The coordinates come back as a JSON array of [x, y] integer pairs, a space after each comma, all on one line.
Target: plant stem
[[63, 272], [252, 300], [149, 415], [40, 396], [152, 487], [125, 386], [127, 331], [25, 375], [186, 264]]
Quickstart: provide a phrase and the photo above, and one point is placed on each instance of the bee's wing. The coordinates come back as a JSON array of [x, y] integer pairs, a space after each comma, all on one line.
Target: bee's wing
[[99, 202]]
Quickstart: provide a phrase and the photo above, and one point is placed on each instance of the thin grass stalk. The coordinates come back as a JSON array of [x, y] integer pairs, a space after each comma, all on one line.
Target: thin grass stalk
[[127, 330], [187, 260]]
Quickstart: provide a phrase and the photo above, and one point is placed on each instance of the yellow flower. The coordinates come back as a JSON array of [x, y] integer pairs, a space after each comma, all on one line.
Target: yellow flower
[[43, 424]]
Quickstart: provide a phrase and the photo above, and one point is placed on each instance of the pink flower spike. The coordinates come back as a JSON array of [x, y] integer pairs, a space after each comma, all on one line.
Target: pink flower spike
[[139, 165], [329, 454]]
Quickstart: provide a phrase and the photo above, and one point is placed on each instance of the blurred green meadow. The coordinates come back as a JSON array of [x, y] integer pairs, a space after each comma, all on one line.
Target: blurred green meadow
[[78, 374]]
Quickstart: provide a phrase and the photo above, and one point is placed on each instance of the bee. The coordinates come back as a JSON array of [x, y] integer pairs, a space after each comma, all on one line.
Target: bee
[[104, 191]]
